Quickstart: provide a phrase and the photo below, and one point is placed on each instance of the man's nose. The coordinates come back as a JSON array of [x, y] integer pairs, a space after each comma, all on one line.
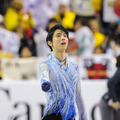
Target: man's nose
[[63, 37]]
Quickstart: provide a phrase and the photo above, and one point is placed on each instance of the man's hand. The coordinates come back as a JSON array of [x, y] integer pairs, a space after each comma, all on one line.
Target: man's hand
[[46, 86], [115, 105]]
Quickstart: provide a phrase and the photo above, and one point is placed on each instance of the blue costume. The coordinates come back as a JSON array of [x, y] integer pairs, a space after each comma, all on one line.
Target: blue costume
[[62, 87]]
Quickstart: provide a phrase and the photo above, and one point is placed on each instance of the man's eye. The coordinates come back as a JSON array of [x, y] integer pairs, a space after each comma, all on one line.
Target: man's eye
[[65, 35]]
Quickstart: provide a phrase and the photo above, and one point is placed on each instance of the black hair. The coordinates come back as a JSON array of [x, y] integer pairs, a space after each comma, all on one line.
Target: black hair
[[118, 62], [51, 32], [79, 19], [52, 20], [117, 40]]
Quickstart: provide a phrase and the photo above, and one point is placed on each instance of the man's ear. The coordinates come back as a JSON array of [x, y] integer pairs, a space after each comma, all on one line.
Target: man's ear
[[50, 43]]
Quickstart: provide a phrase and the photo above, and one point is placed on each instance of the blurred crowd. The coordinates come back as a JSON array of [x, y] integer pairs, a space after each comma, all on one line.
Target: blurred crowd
[[24, 36]]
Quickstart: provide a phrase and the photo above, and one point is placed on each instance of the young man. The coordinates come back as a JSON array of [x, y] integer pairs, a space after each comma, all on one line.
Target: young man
[[60, 79]]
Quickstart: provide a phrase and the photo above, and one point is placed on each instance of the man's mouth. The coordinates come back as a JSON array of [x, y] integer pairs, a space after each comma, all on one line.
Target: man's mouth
[[63, 43]]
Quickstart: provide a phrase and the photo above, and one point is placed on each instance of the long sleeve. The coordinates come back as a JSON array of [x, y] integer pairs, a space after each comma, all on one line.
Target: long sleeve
[[44, 77], [80, 103], [112, 85]]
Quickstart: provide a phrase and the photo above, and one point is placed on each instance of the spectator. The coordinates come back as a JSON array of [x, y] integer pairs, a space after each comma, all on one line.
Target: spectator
[[114, 47], [116, 33], [27, 47], [27, 44], [9, 41], [95, 28], [99, 50], [25, 52], [110, 102], [18, 15], [51, 23], [84, 37], [112, 29], [2, 25], [40, 38], [65, 16]]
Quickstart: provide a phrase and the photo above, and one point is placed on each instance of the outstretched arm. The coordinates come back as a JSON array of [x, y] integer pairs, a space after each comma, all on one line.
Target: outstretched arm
[[44, 78]]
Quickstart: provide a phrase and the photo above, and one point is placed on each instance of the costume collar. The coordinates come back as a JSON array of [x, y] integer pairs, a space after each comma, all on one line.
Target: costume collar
[[52, 56]]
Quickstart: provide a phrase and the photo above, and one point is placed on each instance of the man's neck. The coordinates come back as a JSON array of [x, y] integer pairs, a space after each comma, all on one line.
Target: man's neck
[[60, 56]]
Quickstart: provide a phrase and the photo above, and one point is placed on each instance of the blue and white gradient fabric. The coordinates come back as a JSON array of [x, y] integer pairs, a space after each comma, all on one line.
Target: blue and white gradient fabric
[[62, 87]]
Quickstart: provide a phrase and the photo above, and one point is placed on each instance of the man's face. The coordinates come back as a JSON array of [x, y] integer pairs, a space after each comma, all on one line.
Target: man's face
[[59, 41], [94, 25], [77, 25], [63, 8]]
